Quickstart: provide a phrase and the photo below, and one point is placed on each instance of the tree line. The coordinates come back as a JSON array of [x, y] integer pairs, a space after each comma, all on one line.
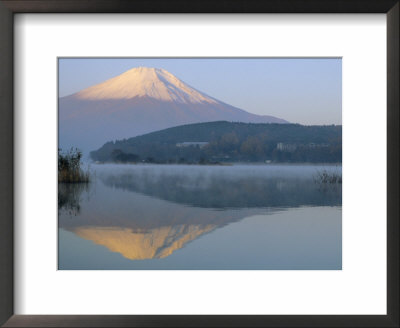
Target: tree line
[[228, 142]]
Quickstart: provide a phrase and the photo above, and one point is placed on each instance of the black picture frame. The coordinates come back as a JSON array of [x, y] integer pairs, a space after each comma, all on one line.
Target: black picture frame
[[10, 7]]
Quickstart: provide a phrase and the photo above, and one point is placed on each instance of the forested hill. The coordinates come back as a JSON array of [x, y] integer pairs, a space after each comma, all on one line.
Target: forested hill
[[228, 142]]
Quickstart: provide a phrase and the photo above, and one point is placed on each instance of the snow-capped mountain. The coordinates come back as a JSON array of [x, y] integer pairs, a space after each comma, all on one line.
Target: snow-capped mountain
[[139, 101], [146, 82]]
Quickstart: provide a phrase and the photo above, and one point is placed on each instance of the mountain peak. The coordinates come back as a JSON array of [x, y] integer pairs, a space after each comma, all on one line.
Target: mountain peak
[[145, 82], [139, 101]]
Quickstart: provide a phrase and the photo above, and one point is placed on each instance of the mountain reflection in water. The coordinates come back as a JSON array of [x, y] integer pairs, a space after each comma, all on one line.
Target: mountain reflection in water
[[150, 211]]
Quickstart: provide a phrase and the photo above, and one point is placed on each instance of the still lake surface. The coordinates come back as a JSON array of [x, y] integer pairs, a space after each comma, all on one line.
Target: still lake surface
[[240, 217]]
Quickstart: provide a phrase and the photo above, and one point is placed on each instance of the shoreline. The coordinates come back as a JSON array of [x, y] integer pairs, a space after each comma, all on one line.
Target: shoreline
[[219, 164]]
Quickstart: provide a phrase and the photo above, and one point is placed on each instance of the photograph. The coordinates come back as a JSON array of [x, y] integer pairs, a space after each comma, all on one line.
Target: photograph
[[203, 163]]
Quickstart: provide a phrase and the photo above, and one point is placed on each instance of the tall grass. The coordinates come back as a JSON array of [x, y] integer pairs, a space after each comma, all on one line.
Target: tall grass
[[70, 167]]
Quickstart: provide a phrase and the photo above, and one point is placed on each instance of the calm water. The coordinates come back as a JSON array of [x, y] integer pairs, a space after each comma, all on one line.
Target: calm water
[[201, 217]]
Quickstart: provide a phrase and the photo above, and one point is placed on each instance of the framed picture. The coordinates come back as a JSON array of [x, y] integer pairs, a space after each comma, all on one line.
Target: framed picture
[[165, 166], [211, 186]]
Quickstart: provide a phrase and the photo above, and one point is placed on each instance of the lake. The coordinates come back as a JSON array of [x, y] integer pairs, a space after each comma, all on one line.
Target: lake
[[193, 217]]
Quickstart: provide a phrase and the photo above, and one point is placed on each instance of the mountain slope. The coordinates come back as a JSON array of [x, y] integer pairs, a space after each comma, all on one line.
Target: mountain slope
[[136, 102]]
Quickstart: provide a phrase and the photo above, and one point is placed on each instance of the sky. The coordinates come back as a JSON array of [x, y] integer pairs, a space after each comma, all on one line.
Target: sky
[[300, 90]]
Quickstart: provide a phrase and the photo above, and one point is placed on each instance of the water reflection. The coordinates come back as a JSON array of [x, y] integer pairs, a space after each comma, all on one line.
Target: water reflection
[[69, 197], [148, 244], [142, 227], [151, 212]]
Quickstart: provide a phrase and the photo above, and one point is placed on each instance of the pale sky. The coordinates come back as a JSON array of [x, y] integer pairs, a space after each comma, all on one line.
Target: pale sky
[[305, 91]]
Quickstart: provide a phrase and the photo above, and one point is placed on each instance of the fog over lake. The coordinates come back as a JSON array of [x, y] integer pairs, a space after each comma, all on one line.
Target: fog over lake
[[201, 217]]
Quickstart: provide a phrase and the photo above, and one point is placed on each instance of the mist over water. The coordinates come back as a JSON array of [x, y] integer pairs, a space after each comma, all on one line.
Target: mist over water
[[201, 217], [238, 186]]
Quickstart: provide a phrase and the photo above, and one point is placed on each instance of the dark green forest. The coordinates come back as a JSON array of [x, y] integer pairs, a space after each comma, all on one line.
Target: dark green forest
[[227, 142]]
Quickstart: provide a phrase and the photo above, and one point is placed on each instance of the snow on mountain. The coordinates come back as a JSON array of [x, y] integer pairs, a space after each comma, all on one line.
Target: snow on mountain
[[139, 101], [145, 82]]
